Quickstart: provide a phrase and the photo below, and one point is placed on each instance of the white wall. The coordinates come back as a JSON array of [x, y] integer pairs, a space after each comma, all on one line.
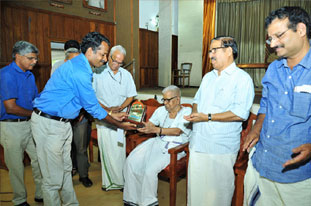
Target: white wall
[[148, 9], [190, 37], [165, 43]]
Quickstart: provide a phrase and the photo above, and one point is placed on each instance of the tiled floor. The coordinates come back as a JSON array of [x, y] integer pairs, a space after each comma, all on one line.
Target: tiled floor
[[92, 196]]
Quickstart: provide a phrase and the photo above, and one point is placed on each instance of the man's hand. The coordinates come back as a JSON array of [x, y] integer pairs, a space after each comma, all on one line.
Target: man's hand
[[148, 128], [303, 153], [196, 117], [128, 126], [119, 116], [251, 140]]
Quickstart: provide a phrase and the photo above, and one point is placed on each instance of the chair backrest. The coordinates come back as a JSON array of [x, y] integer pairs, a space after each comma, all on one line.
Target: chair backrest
[[186, 68], [152, 105]]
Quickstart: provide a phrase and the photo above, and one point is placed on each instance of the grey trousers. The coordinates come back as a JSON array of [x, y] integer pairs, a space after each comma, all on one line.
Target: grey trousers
[[53, 139], [81, 142], [16, 138]]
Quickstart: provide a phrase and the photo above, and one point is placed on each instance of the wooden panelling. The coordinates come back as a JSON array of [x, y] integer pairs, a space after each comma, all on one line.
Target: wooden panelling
[[40, 28]]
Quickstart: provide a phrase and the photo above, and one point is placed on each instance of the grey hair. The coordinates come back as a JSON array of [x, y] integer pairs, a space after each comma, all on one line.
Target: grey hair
[[24, 47], [172, 88], [71, 50], [119, 48]]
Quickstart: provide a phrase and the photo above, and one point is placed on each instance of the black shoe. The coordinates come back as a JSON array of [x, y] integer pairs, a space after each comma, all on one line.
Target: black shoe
[[38, 199], [86, 181], [23, 204]]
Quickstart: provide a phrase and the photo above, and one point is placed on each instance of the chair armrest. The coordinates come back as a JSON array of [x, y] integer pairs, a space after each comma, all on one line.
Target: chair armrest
[[179, 148]]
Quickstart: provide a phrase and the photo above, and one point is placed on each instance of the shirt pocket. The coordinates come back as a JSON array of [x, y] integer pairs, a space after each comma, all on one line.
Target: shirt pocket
[[301, 105], [222, 98]]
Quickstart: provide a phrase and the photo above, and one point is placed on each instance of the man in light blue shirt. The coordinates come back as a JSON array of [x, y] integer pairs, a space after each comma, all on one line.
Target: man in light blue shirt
[[279, 172], [67, 91], [221, 104]]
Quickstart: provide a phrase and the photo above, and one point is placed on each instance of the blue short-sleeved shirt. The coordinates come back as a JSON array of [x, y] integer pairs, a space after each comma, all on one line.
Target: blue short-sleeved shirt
[[19, 85], [286, 102], [69, 89]]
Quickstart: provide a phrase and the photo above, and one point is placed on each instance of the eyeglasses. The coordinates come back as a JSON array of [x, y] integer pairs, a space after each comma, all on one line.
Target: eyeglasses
[[168, 100], [32, 58], [277, 37], [215, 49], [114, 61]]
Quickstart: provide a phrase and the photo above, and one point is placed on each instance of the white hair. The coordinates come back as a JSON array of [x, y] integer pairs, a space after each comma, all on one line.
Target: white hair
[[119, 48], [173, 89]]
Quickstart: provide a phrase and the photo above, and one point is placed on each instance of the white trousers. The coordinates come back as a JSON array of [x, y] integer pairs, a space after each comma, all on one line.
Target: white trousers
[[112, 156], [16, 138], [141, 172], [274, 193], [53, 139], [210, 179]]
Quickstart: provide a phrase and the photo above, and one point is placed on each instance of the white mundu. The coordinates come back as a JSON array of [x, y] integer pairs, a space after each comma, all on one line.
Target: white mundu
[[112, 90], [150, 157]]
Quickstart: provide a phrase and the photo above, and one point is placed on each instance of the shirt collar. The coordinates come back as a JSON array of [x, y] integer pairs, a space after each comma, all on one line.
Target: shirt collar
[[111, 72], [82, 56], [228, 70], [305, 62], [19, 70]]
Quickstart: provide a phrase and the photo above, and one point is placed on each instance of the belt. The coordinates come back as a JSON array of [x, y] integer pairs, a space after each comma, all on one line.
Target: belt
[[15, 120], [40, 113]]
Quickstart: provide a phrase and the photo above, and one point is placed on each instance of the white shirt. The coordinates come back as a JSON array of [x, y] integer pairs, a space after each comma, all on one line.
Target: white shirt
[[232, 91], [113, 89], [161, 118]]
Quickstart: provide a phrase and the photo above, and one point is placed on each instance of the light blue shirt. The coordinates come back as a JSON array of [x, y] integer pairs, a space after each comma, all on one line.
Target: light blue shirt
[[287, 125], [113, 89], [232, 91], [69, 89]]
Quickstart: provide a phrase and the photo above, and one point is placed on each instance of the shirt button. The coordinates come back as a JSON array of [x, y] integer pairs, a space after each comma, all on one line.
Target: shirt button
[[285, 92], [268, 136], [265, 150], [272, 121], [280, 107], [289, 77]]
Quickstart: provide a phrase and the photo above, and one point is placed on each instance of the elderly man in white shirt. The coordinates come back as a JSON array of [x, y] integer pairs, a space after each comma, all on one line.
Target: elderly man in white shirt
[[221, 104], [149, 158], [115, 90]]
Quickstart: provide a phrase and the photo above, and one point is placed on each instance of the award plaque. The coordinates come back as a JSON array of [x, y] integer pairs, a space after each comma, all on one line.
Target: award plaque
[[136, 112]]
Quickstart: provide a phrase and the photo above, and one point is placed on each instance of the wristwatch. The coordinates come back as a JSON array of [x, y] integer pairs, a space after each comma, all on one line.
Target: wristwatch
[[209, 115], [110, 112]]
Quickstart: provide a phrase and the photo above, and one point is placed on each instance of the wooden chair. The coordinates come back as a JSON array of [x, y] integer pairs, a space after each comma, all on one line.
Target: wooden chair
[[176, 168], [182, 74], [240, 165]]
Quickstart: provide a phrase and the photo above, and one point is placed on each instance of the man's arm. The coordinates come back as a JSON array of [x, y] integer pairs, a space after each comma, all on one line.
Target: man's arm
[[12, 108], [151, 128], [219, 117], [123, 105], [253, 136]]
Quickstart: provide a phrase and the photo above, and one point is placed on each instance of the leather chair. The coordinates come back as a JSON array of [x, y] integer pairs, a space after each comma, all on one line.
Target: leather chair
[[240, 165], [176, 168]]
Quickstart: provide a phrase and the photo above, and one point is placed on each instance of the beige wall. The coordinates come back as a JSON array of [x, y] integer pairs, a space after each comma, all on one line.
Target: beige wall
[[190, 36]]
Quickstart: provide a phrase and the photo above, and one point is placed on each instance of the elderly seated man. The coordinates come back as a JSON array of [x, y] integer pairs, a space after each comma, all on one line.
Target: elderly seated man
[[149, 158]]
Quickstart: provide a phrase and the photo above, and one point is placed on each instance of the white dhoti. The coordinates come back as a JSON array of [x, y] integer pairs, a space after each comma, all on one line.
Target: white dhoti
[[210, 179], [141, 171], [112, 156]]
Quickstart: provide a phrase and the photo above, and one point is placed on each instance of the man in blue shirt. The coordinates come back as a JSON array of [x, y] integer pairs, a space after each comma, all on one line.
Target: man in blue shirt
[[220, 105], [17, 91], [279, 172], [67, 91]]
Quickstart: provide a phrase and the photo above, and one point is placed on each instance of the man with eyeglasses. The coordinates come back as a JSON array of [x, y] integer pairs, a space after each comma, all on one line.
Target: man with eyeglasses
[[17, 91], [279, 170], [115, 90], [150, 157], [68, 91], [220, 105]]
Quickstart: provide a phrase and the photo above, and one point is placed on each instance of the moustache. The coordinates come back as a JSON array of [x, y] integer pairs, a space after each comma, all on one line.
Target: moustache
[[278, 46], [32, 65], [213, 58]]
